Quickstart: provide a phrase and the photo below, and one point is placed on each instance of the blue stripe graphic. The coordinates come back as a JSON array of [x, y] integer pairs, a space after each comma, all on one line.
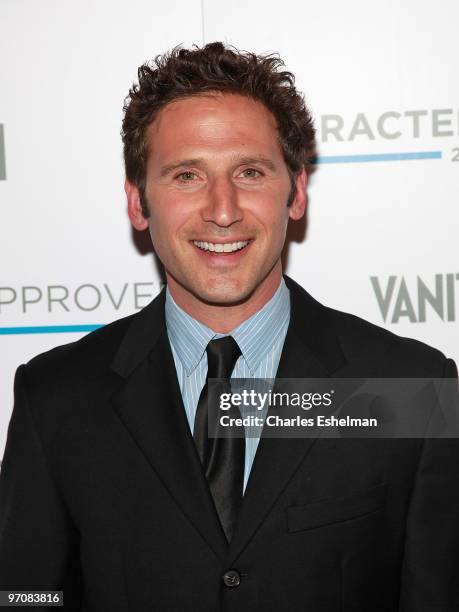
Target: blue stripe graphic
[[48, 329], [376, 157]]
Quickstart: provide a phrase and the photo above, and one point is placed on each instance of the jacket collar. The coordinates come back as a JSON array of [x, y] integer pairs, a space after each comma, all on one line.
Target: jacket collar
[[309, 321]]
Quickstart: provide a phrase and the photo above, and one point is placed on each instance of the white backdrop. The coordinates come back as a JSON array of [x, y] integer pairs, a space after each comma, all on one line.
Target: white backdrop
[[381, 80]]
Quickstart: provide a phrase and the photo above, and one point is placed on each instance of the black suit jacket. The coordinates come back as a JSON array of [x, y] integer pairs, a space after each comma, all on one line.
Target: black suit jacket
[[102, 493]]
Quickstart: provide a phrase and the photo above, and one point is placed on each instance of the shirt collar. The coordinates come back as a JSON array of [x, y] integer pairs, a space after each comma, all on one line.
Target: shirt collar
[[255, 336]]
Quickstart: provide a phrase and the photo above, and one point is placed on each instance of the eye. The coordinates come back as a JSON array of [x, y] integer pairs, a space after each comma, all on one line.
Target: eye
[[187, 176], [251, 173]]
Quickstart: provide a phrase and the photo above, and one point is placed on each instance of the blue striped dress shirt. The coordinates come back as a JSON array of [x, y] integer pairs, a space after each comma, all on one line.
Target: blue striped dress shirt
[[260, 339]]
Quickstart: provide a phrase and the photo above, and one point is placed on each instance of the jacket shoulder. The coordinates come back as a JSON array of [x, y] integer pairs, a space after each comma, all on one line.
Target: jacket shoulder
[[362, 339], [370, 347], [91, 354]]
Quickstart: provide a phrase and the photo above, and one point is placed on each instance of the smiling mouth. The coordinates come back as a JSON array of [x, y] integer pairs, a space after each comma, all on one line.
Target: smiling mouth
[[218, 247]]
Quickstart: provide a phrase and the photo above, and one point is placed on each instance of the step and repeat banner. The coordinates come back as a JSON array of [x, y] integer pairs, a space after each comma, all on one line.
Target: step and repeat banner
[[382, 232]]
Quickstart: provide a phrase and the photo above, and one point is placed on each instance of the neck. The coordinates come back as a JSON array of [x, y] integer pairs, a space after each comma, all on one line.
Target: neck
[[223, 318]]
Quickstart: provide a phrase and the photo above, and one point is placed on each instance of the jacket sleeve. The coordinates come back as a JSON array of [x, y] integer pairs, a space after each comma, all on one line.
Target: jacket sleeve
[[38, 542], [430, 573]]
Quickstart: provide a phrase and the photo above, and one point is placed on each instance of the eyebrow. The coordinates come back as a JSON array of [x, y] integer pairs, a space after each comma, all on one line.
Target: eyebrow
[[169, 168], [263, 161], [166, 170]]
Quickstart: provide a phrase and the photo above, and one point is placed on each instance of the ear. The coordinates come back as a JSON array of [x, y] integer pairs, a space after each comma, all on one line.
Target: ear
[[298, 206], [134, 207]]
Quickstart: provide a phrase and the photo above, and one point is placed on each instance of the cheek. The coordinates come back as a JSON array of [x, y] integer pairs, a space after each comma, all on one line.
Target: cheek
[[167, 220], [269, 203], [273, 216]]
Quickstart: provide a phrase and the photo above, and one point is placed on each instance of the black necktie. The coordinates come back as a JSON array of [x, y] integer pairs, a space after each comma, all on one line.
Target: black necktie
[[222, 456]]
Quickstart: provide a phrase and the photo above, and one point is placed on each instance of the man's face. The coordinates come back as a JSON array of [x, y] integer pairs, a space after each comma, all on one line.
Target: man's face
[[217, 188]]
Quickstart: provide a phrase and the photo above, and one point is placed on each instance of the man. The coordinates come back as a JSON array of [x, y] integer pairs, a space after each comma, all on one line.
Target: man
[[113, 490]]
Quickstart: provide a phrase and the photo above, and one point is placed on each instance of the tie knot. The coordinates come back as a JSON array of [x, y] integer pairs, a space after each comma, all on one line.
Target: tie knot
[[222, 355]]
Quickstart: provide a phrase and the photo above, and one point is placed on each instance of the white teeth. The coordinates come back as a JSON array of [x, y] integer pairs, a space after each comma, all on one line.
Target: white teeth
[[228, 247]]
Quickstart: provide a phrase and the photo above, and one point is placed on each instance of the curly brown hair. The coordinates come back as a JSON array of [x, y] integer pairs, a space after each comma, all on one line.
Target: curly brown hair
[[215, 68]]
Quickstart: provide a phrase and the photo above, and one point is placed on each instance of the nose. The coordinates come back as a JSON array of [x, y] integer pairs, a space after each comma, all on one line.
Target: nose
[[222, 205]]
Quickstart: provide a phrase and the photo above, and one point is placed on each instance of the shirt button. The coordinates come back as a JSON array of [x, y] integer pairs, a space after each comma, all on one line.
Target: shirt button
[[231, 578]]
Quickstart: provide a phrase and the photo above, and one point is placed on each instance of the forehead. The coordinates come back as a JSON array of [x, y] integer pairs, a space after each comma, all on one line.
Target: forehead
[[213, 121]]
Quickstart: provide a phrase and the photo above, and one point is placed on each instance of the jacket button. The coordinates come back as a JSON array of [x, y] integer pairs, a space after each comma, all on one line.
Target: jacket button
[[231, 578]]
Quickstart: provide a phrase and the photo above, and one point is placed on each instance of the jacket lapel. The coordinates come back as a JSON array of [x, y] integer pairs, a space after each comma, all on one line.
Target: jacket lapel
[[311, 350], [149, 404]]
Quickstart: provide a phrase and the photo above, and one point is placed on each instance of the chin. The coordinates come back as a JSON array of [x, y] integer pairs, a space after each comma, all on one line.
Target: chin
[[223, 292]]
